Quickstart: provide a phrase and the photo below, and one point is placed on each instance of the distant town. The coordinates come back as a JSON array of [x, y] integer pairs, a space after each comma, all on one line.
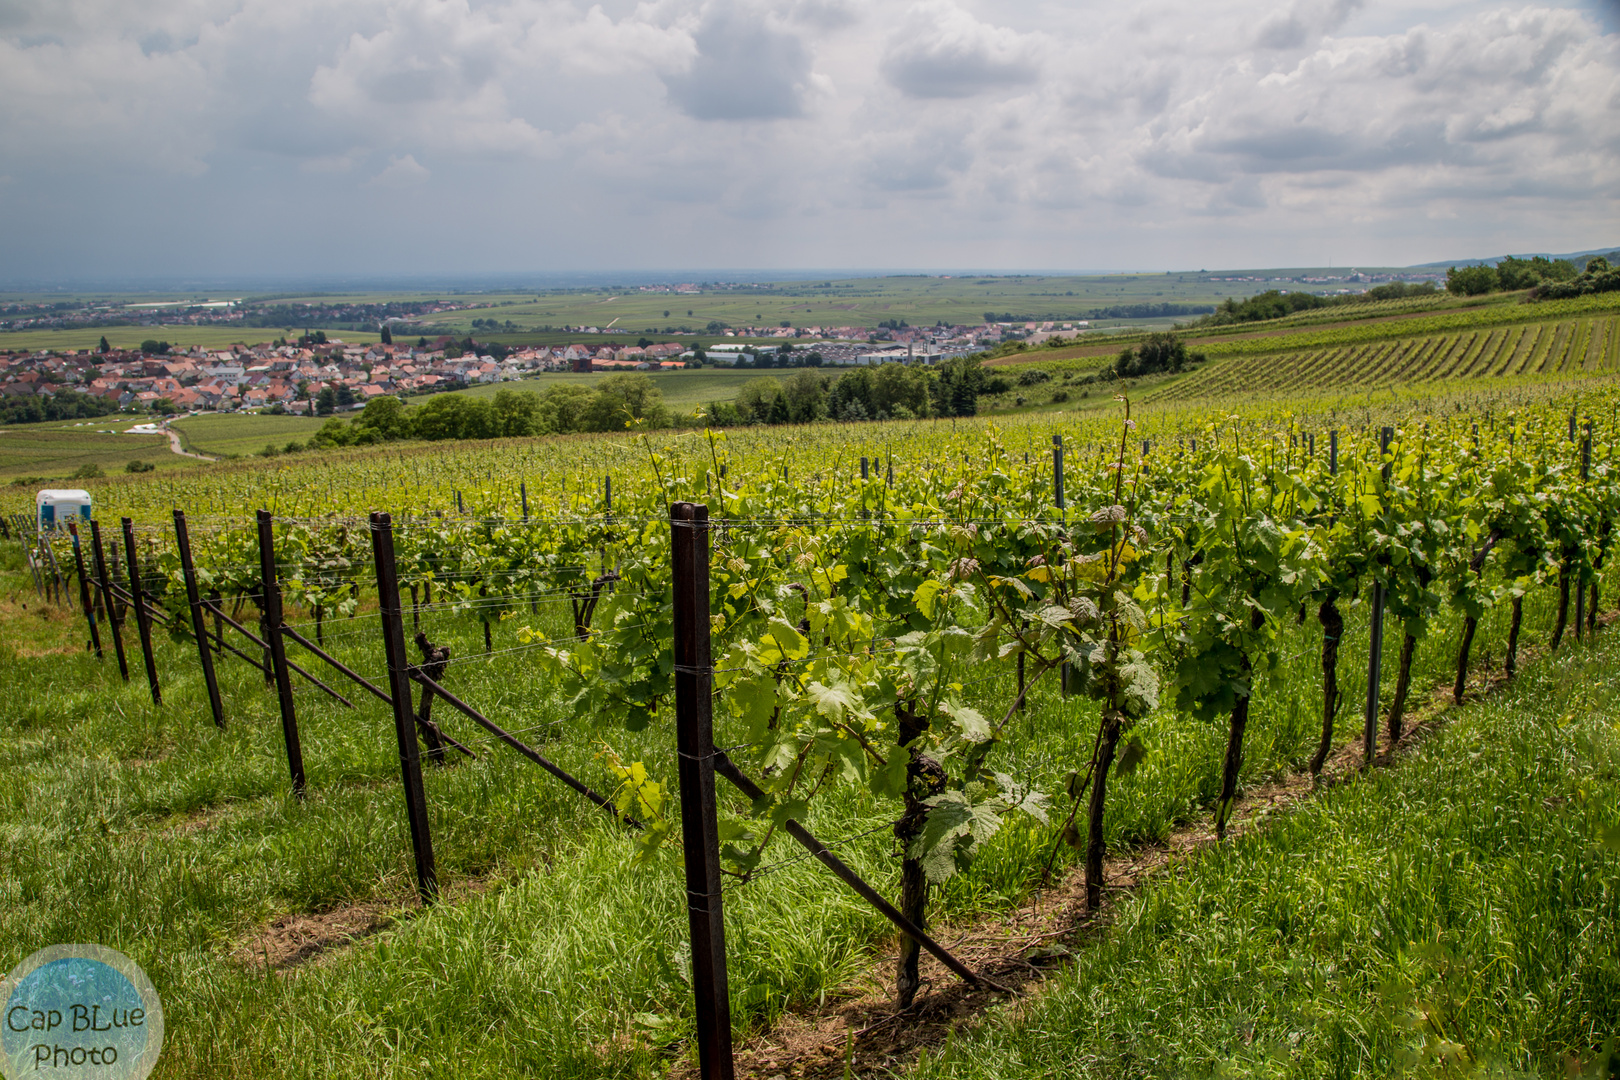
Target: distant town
[[325, 376]]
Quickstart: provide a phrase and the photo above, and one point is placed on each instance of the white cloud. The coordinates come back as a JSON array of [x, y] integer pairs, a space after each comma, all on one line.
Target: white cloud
[[400, 172]]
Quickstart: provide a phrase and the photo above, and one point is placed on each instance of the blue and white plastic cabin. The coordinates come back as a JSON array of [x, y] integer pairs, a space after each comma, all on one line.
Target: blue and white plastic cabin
[[56, 507]]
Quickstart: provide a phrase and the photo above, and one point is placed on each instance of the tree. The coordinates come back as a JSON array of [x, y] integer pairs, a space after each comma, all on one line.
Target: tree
[[302, 393], [387, 335], [152, 347], [1472, 280], [756, 398], [623, 400], [805, 393], [517, 413], [104, 347], [164, 406], [326, 401], [900, 390], [386, 416], [345, 397]]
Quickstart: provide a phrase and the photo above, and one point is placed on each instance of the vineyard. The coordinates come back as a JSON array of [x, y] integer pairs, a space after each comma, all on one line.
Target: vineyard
[[1568, 347], [648, 742]]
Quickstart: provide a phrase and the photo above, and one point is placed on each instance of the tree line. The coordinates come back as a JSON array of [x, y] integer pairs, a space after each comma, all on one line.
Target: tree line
[[1510, 275], [880, 392], [1275, 304]]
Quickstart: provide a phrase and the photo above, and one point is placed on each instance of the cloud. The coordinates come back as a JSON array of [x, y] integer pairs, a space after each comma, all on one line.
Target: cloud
[[401, 172], [1303, 22], [655, 132], [942, 51], [745, 69]]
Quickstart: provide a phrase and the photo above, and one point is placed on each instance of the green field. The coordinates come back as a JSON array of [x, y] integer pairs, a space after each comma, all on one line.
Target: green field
[[130, 337], [228, 434], [919, 300], [55, 451]]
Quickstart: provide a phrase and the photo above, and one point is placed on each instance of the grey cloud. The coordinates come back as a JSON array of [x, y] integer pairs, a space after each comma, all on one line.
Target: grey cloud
[[744, 70], [942, 52], [1304, 22]]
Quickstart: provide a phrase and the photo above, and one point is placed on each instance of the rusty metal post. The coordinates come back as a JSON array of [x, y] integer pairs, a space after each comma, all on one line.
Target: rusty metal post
[[199, 624], [1375, 647], [694, 740], [143, 616], [399, 693], [271, 605], [109, 603], [84, 589]]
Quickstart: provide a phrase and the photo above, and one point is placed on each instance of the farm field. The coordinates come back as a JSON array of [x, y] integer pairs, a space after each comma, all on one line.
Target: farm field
[[56, 450], [223, 434], [130, 337], [1559, 348], [557, 946]]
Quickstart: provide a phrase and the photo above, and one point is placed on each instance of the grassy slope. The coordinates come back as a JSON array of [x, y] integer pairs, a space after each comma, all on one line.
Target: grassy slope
[[243, 433], [150, 831], [1459, 912], [55, 450]]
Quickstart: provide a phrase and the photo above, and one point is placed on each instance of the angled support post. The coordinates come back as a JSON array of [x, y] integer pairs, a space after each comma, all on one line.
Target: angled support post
[[109, 602], [199, 623], [143, 615], [270, 583]]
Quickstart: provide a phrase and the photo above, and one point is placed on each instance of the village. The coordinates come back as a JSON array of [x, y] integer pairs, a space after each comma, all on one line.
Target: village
[[295, 378]]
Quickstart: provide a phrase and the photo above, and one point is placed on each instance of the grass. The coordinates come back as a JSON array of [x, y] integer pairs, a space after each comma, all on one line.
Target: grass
[[557, 955], [224, 434], [1456, 916], [57, 450]]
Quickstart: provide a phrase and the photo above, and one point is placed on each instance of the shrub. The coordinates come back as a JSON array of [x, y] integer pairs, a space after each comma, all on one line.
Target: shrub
[[91, 471], [139, 466]]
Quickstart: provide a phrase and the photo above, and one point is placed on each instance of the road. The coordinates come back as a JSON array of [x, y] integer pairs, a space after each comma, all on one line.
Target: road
[[174, 444]]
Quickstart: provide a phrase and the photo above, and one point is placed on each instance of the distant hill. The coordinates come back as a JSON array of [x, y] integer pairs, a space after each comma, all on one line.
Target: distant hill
[[1577, 257]]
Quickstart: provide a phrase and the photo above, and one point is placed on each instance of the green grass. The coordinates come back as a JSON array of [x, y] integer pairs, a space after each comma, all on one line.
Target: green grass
[[56, 450], [224, 434], [556, 954], [1456, 916]]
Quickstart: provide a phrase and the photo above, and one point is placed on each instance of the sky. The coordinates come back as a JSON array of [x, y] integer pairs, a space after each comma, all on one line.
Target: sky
[[162, 138]]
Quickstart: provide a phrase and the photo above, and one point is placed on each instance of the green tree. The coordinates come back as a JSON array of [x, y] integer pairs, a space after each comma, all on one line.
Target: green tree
[[386, 416], [622, 400], [345, 397], [805, 392], [104, 347], [899, 390], [1472, 280], [326, 401], [387, 335], [563, 409], [517, 413]]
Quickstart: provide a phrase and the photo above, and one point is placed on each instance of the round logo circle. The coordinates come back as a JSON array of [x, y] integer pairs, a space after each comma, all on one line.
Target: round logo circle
[[79, 1011]]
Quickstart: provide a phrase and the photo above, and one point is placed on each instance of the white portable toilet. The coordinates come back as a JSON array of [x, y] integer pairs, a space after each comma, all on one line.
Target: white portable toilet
[[56, 507]]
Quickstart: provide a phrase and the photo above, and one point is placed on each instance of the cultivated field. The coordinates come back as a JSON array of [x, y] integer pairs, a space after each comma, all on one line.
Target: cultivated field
[[1006, 701], [55, 451]]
